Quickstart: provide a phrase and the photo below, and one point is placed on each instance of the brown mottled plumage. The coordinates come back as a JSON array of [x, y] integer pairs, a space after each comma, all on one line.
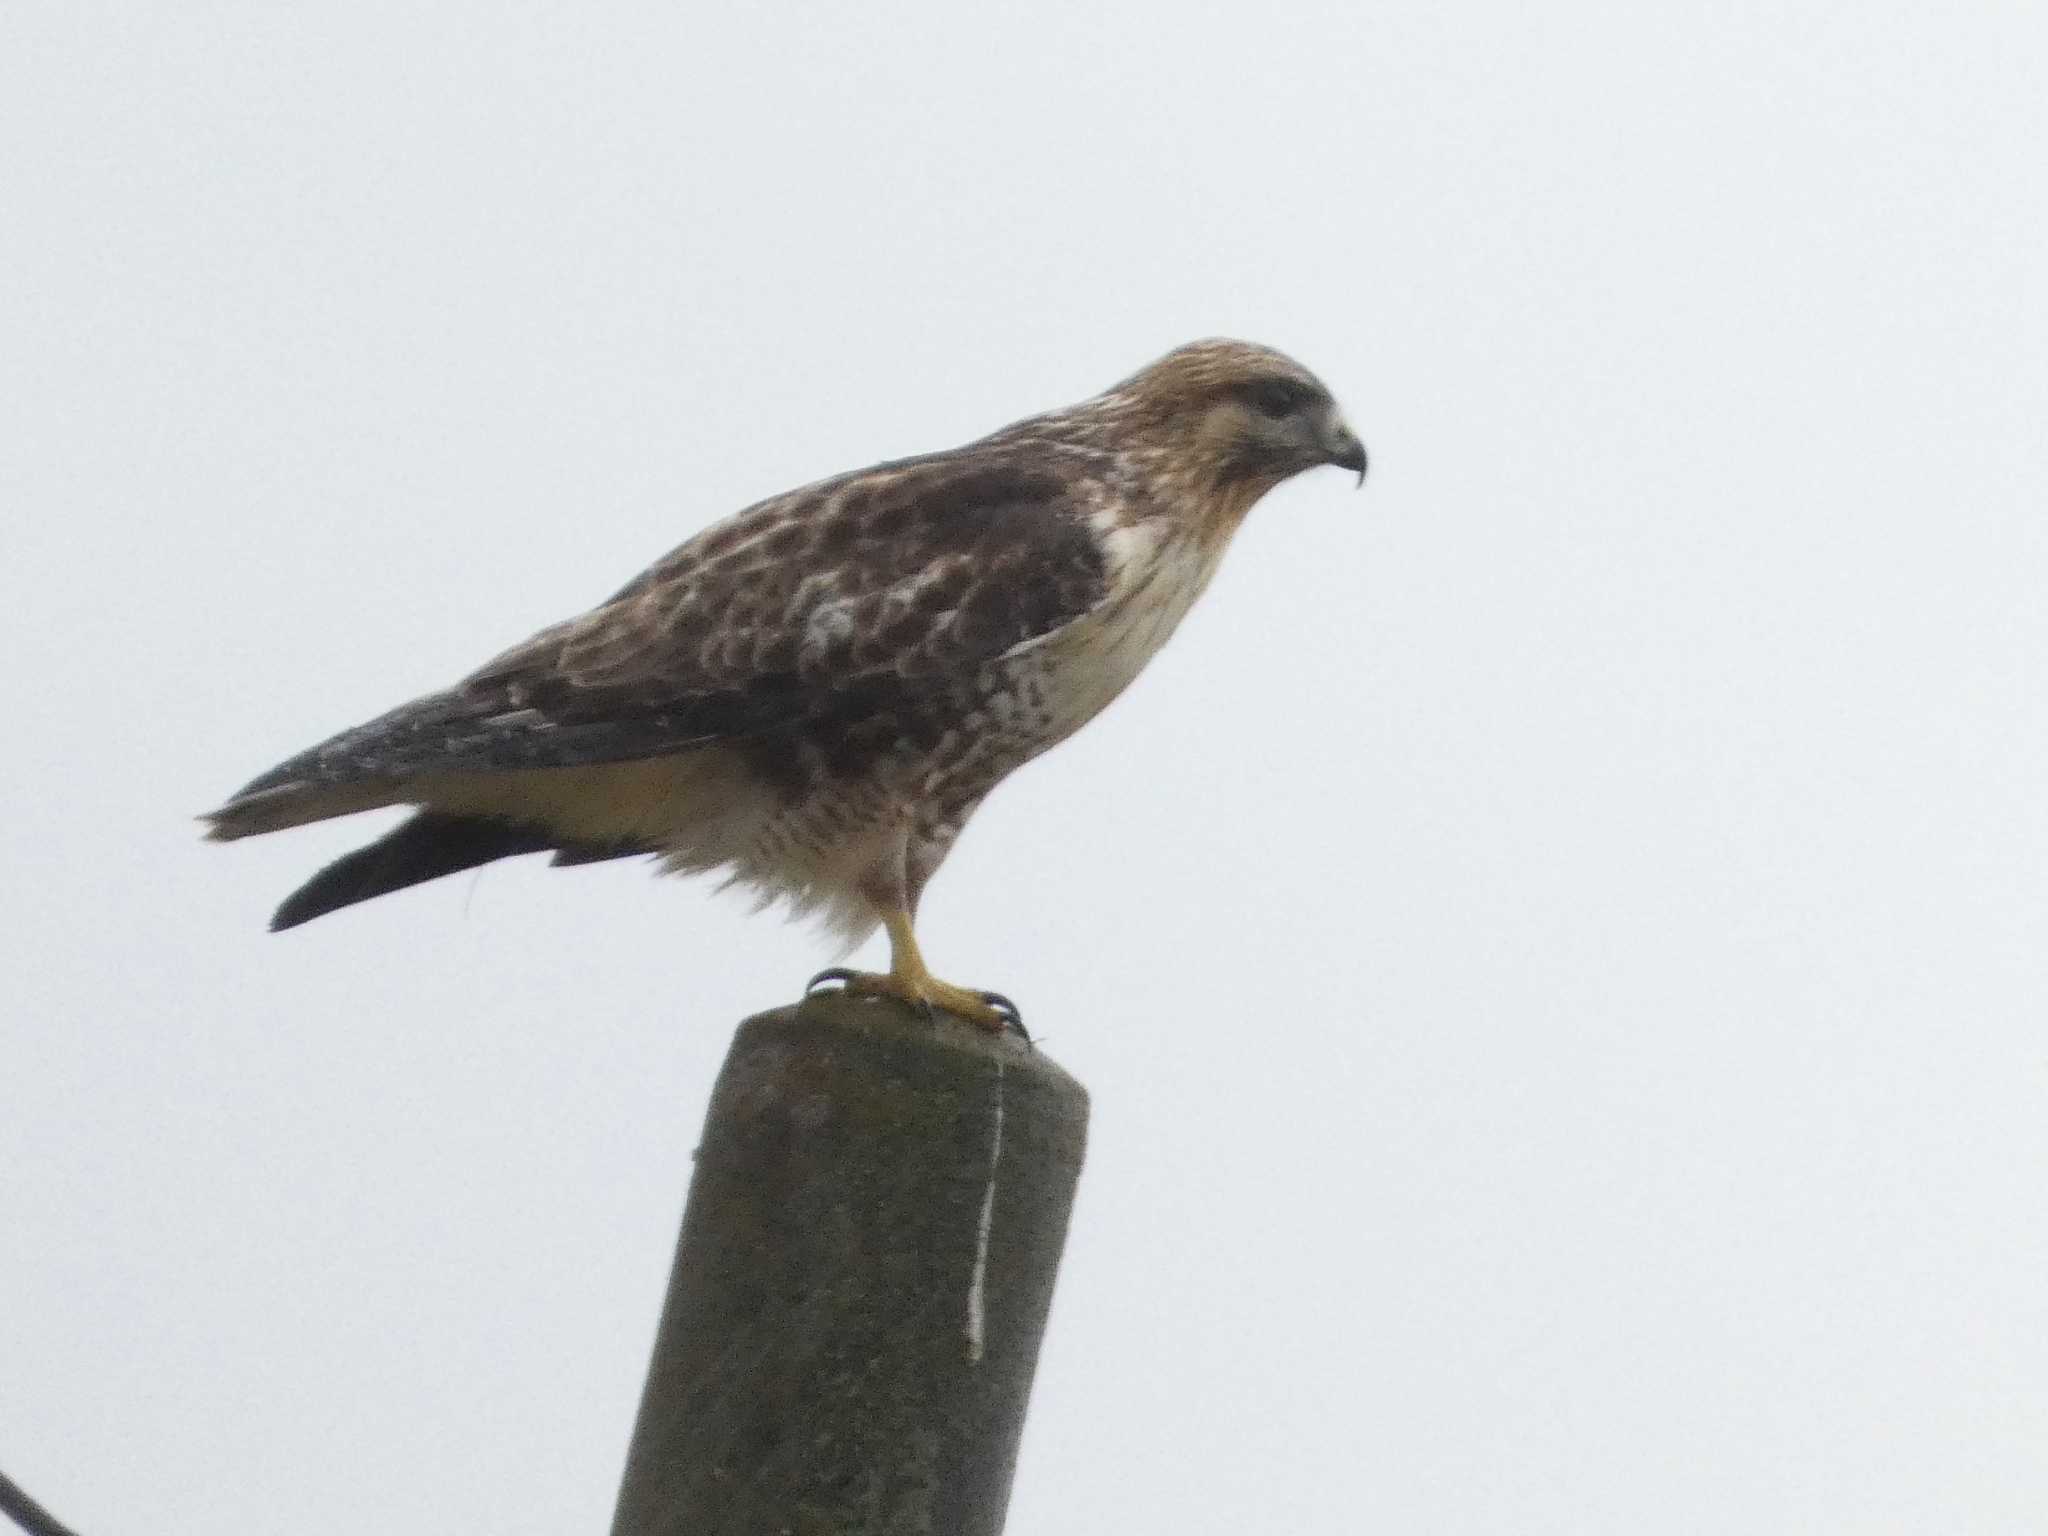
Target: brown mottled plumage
[[815, 694]]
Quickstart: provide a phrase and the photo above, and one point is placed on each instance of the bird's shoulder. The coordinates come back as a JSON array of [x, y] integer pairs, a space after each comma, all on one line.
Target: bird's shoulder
[[999, 498], [912, 569]]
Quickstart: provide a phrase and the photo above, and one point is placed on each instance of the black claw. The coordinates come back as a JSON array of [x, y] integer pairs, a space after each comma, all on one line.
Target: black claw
[[1013, 1016]]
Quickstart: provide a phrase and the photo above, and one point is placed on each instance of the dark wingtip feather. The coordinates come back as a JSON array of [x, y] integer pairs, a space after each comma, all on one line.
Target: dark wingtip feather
[[425, 848]]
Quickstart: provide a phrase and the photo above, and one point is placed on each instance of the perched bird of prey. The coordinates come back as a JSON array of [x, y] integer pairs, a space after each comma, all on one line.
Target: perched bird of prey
[[814, 695]]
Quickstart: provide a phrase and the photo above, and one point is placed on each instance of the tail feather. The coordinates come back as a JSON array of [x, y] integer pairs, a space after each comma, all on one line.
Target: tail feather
[[596, 853], [427, 846]]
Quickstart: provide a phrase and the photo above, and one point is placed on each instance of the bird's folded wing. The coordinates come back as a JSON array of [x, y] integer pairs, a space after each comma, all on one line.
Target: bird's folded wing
[[851, 593]]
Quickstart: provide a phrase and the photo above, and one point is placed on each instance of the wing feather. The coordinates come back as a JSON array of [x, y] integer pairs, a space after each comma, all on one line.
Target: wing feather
[[864, 587]]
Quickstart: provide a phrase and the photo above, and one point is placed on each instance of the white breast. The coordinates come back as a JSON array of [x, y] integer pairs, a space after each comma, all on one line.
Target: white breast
[[1156, 573]]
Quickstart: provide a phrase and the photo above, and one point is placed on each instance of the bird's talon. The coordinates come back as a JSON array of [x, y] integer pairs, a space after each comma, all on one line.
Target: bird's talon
[[1012, 1017], [928, 997]]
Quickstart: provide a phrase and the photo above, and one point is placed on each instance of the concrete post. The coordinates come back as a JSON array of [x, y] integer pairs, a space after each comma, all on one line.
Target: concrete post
[[861, 1283]]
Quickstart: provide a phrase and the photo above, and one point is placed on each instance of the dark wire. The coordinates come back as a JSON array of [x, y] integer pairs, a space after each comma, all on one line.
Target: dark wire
[[27, 1513]]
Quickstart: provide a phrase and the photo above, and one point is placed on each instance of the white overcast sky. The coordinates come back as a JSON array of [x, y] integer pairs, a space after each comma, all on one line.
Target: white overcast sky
[[1557, 942]]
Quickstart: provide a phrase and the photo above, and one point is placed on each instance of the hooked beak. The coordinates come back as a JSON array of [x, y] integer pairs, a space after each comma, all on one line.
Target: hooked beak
[[1344, 450]]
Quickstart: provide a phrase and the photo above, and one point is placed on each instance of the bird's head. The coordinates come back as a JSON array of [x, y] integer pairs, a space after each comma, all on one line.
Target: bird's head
[[1247, 415]]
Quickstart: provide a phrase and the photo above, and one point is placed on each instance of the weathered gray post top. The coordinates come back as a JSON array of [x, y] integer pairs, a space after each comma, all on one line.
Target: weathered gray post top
[[861, 1284]]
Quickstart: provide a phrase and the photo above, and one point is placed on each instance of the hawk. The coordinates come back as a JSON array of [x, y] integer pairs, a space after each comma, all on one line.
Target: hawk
[[814, 695]]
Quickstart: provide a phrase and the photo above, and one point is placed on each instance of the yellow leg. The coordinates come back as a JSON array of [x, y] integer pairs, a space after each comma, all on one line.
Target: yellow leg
[[910, 980]]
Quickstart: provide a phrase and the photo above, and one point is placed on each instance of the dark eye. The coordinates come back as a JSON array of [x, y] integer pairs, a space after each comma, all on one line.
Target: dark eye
[[1277, 397]]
